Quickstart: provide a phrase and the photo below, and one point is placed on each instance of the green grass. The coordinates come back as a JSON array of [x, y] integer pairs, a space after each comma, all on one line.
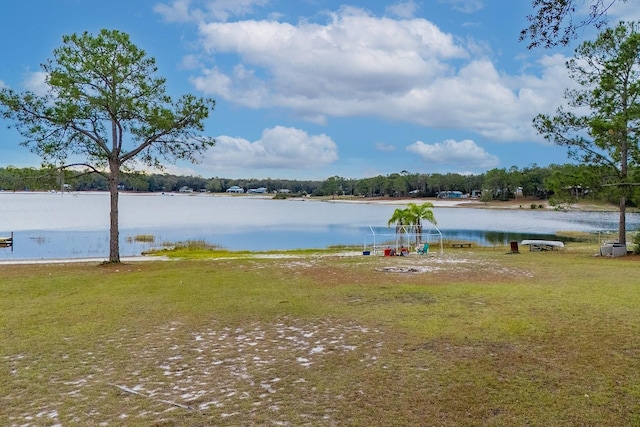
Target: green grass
[[471, 337]]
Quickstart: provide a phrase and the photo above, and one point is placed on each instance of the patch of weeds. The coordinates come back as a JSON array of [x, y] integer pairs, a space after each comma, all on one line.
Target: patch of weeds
[[141, 238]]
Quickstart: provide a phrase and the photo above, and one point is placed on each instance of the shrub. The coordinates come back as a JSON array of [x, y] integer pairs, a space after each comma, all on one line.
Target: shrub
[[636, 242]]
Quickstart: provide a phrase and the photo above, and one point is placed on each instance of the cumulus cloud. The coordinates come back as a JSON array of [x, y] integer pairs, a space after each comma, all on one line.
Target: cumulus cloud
[[279, 148], [464, 154], [342, 68], [359, 65]]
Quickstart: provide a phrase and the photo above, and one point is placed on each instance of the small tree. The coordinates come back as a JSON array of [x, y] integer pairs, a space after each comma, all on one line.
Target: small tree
[[417, 213], [401, 218], [105, 106], [603, 126], [412, 216]]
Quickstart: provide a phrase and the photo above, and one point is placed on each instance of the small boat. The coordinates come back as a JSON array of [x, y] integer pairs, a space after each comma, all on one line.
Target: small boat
[[542, 245], [6, 241]]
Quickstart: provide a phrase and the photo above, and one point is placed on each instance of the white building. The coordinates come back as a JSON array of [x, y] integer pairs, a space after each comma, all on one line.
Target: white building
[[235, 189]]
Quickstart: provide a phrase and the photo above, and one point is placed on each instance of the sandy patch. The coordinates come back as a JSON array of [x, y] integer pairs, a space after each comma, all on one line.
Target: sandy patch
[[224, 372], [436, 202]]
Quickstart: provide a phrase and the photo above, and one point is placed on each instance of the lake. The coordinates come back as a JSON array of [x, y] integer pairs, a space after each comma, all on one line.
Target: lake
[[76, 225]]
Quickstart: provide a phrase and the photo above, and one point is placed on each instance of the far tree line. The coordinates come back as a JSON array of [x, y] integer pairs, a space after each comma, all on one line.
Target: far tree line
[[558, 183]]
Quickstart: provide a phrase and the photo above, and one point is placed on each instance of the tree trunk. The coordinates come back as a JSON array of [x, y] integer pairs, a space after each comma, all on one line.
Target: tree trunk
[[114, 232], [622, 235]]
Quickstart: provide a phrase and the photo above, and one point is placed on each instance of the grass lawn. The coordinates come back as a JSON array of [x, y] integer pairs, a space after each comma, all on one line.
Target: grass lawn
[[471, 337]]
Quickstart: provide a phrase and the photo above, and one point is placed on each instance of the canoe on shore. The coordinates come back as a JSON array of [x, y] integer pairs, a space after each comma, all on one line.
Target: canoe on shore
[[542, 245], [6, 241]]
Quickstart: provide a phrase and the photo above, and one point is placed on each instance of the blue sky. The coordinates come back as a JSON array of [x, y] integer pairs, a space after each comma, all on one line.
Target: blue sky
[[309, 89]]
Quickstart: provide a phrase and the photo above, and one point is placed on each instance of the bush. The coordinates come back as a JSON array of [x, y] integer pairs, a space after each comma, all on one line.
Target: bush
[[636, 242]]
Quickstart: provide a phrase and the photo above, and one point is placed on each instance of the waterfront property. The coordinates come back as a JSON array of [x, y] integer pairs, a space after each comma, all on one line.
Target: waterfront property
[[235, 189]]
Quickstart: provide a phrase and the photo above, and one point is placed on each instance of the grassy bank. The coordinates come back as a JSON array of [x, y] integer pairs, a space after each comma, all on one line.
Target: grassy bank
[[466, 338]]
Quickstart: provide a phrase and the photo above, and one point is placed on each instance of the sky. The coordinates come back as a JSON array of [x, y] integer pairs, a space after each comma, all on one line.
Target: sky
[[311, 89]]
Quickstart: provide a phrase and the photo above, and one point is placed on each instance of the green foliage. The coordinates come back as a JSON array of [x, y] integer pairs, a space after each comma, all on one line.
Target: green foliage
[[600, 127], [636, 242]]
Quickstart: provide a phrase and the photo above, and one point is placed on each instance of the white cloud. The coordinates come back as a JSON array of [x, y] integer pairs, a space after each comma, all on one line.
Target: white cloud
[[403, 9], [241, 86], [279, 148], [465, 154], [356, 64], [178, 11], [2, 85], [218, 10], [465, 6], [344, 68], [190, 62], [381, 146], [36, 82]]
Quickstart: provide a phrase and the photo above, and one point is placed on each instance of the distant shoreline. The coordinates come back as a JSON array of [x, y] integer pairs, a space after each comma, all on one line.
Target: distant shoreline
[[518, 203]]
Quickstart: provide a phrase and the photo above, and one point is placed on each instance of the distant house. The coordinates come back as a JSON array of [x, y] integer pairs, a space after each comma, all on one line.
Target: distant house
[[284, 191], [235, 189], [451, 195], [260, 190], [185, 189]]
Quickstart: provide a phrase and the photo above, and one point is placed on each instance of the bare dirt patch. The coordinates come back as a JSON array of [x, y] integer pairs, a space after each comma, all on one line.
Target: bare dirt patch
[[436, 269], [220, 372]]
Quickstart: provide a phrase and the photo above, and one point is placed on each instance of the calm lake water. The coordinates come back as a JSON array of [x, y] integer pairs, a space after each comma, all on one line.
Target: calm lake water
[[52, 225]]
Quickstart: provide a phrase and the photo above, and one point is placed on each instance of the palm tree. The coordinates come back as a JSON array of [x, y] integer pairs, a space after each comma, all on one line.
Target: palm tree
[[400, 218], [417, 213], [412, 215]]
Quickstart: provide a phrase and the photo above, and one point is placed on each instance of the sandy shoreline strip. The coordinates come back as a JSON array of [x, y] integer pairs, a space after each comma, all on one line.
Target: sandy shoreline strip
[[124, 260], [442, 203]]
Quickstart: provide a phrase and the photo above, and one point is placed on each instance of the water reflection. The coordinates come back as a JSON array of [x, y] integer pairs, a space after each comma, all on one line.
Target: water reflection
[[51, 226]]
